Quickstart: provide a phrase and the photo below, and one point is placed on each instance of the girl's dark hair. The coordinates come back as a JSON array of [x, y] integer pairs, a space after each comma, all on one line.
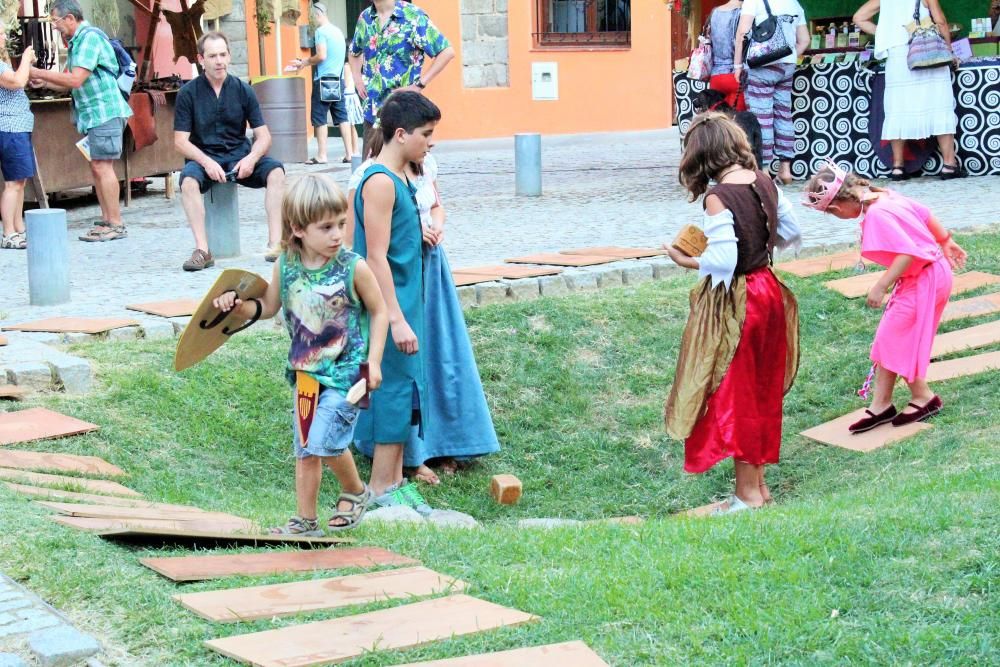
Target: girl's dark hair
[[374, 142], [406, 110], [713, 142]]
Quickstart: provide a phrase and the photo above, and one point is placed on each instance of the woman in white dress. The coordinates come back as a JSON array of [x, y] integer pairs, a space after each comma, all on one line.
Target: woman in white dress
[[918, 103]]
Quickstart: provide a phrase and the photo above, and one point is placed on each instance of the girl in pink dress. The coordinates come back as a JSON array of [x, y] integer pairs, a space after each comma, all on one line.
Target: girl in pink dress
[[918, 253]]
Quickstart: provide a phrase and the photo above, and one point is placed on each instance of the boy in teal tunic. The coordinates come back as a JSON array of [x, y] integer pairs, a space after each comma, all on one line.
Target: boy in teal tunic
[[388, 235]]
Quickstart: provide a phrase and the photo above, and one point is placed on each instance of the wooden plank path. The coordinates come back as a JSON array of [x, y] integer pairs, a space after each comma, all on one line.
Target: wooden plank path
[[88, 465], [39, 424], [62, 481], [566, 654]]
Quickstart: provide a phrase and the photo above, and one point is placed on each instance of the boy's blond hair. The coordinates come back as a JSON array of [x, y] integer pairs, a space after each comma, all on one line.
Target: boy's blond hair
[[308, 199]]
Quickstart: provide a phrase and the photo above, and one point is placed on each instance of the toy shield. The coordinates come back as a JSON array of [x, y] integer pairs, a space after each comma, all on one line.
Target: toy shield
[[209, 328]]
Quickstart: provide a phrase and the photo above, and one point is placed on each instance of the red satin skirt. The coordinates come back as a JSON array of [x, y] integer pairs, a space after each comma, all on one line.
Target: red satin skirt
[[743, 416], [729, 85]]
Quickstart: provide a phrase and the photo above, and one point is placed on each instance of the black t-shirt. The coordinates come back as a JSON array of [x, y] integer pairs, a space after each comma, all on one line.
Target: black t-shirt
[[217, 123]]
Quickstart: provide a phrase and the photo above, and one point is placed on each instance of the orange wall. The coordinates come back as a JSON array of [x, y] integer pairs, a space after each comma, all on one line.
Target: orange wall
[[599, 90]]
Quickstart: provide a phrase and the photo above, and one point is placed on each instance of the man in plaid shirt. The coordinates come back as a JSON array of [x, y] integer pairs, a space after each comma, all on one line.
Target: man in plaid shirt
[[100, 111]]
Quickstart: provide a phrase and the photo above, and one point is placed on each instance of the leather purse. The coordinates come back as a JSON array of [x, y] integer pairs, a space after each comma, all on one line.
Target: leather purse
[[331, 88], [767, 41]]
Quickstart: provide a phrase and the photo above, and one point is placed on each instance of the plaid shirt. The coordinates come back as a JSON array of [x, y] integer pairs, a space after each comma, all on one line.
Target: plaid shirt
[[15, 109], [394, 54], [98, 100]]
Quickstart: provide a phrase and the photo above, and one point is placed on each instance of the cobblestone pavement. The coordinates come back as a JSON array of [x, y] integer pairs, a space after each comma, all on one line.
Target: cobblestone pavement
[[600, 189]]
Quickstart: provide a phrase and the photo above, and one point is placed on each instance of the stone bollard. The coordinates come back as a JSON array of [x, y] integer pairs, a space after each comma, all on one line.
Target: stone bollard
[[356, 161], [528, 164], [222, 220], [48, 256]]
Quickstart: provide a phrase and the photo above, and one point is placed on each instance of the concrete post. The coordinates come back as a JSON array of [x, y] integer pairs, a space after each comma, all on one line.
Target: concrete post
[[528, 164], [222, 220], [48, 256], [356, 161]]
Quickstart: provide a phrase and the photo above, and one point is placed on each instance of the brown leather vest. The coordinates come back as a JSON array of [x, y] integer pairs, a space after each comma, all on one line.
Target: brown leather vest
[[755, 216]]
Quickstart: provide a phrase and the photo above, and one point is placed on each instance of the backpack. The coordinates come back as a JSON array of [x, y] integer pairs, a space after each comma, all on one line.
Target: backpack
[[125, 76]]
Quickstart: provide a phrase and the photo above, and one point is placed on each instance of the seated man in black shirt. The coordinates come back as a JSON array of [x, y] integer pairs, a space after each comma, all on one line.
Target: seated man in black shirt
[[210, 122]]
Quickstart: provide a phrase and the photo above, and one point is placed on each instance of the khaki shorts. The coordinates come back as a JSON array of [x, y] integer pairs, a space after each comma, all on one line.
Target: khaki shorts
[[106, 140]]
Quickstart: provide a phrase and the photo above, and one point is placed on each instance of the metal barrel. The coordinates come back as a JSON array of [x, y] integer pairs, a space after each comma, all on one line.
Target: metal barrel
[[283, 104]]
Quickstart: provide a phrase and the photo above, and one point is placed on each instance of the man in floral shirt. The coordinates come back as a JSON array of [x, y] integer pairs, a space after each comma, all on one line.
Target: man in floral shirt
[[387, 53]]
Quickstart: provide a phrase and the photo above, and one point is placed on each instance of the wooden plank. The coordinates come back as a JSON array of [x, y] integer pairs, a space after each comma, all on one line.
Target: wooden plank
[[814, 266], [461, 279], [170, 308], [562, 260], [39, 424], [62, 481], [12, 391], [88, 325], [703, 511], [566, 654], [511, 271], [244, 604], [340, 639], [104, 511], [616, 251], [199, 568], [92, 465], [93, 499], [835, 433], [102, 524], [966, 339], [987, 304], [857, 286], [953, 368], [197, 539]]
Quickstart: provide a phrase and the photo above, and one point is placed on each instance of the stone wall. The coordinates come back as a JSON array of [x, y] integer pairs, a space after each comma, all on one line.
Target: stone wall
[[234, 26], [485, 50]]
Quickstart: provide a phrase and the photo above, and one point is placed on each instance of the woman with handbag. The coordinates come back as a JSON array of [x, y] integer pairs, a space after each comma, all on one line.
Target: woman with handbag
[[919, 102], [722, 35], [778, 37]]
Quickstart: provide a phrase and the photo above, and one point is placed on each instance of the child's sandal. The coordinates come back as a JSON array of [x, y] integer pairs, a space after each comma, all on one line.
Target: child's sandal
[[352, 516], [299, 527]]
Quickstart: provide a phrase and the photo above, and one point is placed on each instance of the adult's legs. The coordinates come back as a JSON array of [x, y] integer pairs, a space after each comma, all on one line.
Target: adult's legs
[[194, 210], [946, 143], [760, 100], [784, 130], [898, 157], [12, 207], [387, 467], [320, 131], [106, 185], [345, 134], [273, 193]]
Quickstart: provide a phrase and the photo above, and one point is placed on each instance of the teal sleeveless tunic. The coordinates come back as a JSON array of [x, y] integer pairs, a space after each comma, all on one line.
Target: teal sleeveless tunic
[[393, 405]]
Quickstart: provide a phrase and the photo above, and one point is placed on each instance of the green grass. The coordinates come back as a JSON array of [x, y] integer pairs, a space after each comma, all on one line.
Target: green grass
[[881, 558]]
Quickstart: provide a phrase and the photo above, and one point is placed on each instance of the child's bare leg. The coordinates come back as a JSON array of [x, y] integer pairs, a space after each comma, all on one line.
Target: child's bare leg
[[765, 493], [387, 467], [308, 473], [921, 392], [748, 483], [882, 395]]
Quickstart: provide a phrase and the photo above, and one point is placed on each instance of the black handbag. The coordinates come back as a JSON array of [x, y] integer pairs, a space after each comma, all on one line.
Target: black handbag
[[331, 88], [767, 41]]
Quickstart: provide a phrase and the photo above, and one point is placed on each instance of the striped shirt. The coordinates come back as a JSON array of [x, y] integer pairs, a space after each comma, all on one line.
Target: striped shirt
[[15, 111], [98, 100]]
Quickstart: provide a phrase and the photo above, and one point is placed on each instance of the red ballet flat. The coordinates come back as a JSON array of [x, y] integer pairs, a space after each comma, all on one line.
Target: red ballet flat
[[873, 420], [928, 409]]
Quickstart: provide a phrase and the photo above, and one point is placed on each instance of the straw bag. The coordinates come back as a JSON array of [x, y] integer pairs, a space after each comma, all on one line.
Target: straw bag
[[927, 47], [767, 41]]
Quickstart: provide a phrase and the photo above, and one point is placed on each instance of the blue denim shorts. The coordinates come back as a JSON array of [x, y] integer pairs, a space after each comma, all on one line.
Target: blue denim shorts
[[17, 160], [332, 429]]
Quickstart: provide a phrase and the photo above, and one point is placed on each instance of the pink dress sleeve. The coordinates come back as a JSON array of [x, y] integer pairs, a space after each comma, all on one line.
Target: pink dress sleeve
[[894, 226]]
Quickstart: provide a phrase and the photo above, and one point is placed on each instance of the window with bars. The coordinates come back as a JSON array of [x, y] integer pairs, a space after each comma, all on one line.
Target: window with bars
[[583, 22]]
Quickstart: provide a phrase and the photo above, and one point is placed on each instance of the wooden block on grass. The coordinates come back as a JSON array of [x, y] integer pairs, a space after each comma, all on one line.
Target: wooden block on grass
[[12, 391], [814, 266], [835, 433], [341, 639], [510, 271], [62, 481], [857, 286], [171, 308], [559, 259], [966, 339], [566, 654], [93, 499], [199, 568], [39, 424], [244, 604], [462, 279], [88, 325], [104, 511], [616, 251], [953, 368], [505, 489], [92, 465], [987, 304]]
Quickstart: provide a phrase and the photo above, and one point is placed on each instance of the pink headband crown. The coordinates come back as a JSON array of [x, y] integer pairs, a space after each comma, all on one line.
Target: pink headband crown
[[822, 199]]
